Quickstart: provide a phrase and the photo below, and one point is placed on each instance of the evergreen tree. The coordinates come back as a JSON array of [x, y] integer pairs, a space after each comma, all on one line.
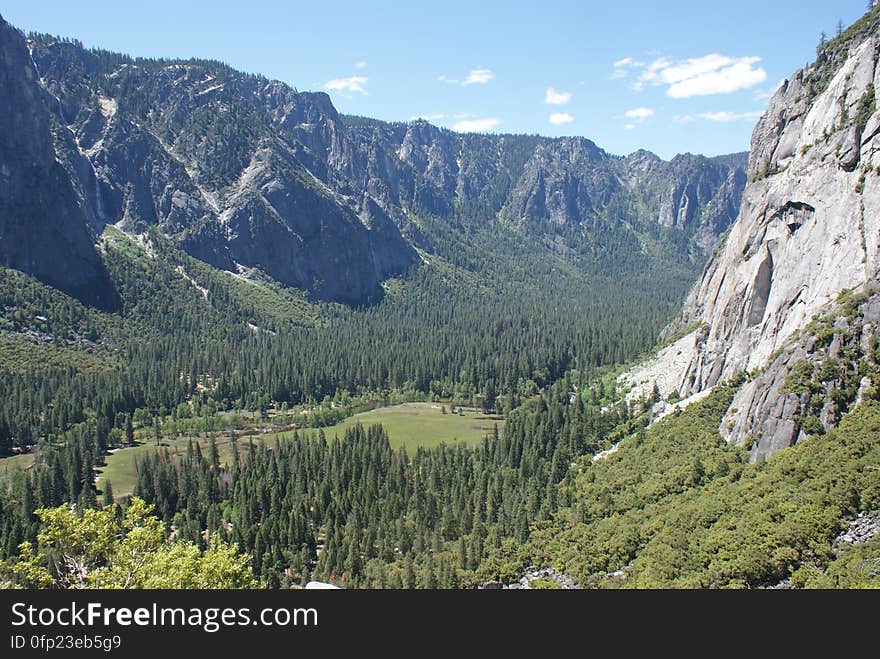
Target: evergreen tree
[[108, 498]]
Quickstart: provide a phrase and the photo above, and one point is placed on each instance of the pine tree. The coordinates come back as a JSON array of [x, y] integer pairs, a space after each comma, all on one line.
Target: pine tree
[[429, 578], [409, 573], [87, 498], [108, 499]]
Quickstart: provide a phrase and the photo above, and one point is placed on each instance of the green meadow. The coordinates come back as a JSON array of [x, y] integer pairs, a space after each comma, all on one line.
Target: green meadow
[[409, 425]]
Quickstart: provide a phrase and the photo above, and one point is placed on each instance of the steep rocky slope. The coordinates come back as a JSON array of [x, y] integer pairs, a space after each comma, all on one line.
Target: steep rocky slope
[[249, 174], [824, 371], [42, 224], [213, 159], [809, 228]]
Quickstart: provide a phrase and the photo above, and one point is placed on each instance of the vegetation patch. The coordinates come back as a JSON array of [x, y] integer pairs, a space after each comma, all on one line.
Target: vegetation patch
[[679, 508], [413, 425]]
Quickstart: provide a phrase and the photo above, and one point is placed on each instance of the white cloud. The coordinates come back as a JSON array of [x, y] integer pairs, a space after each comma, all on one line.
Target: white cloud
[[724, 117], [702, 76], [727, 117], [360, 65], [478, 77], [650, 74], [741, 75], [673, 73], [351, 84], [553, 97], [622, 67], [476, 125], [560, 118], [638, 115]]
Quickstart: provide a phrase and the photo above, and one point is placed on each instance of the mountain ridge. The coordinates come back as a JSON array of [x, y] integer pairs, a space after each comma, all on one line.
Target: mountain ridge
[[249, 174]]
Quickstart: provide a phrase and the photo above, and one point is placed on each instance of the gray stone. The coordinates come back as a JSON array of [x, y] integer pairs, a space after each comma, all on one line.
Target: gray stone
[[43, 220], [532, 573], [808, 228], [865, 527]]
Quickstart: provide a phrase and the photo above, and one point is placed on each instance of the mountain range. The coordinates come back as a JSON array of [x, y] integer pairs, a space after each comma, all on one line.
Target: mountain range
[[256, 178]]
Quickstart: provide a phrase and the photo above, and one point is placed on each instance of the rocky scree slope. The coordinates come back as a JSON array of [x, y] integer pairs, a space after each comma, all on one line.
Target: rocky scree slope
[[249, 174]]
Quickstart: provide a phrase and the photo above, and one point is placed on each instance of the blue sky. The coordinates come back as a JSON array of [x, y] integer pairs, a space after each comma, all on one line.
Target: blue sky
[[668, 76]]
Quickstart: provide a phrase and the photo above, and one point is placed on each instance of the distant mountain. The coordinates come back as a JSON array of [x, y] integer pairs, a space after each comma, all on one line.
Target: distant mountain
[[251, 175]]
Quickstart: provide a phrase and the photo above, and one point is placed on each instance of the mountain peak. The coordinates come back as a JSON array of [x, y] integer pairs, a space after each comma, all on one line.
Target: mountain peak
[[643, 154]]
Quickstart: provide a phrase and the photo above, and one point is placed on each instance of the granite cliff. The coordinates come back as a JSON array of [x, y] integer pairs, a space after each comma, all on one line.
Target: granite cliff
[[808, 230], [42, 223]]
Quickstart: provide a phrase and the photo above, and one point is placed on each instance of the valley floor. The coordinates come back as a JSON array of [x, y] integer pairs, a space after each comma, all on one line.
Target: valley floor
[[409, 426]]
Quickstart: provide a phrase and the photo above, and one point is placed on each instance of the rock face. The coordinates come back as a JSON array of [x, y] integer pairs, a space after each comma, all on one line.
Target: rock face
[[804, 233], [570, 185], [251, 175], [693, 194], [820, 374], [808, 228], [226, 165], [42, 224]]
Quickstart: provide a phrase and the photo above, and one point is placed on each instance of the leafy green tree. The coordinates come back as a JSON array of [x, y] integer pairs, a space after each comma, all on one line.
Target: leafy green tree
[[94, 549]]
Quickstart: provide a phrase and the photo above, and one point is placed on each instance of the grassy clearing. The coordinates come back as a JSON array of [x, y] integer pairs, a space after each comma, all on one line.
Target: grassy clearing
[[423, 424], [408, 425], [10, 465]]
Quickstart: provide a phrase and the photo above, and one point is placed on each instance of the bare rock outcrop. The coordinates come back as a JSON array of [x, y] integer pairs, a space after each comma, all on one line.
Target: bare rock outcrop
[[808, 228], [43, 228]]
